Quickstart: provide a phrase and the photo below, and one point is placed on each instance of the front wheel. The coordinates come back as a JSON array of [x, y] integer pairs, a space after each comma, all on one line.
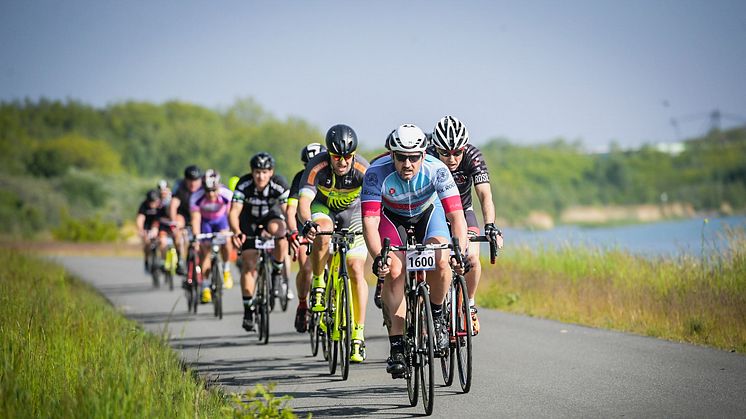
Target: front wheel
[[425, 335], [463, 336], [155, 269], [345, 327], [313, 331], [448, 360], [217, 287]]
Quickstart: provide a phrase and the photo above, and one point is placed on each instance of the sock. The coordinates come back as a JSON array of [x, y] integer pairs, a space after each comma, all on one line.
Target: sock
[[358, 332], [247, 303], [318, 281], [303, 302], [471, 302], [226, 266], [437, 310], [397, 344], [276, 265]]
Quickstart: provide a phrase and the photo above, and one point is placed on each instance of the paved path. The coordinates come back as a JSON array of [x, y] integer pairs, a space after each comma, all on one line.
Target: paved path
[[525, 367]]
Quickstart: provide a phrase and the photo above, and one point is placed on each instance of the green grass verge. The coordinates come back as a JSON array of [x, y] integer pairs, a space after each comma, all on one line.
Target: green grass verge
[[698, 300], [66, 352]]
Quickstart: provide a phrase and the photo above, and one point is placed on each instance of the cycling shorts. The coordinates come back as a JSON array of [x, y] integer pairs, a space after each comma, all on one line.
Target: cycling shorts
[[257, 227], [214, 226], [348, 218], [428, 224]]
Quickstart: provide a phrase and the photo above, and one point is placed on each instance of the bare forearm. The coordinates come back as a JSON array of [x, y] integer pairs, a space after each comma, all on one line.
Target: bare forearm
[[372, 238], [484, 193], [233, 218]]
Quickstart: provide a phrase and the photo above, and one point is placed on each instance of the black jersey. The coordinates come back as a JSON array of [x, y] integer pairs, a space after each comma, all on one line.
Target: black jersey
[[295, 187], [185, 195], [256, 203], [151, 214], [471, 170]]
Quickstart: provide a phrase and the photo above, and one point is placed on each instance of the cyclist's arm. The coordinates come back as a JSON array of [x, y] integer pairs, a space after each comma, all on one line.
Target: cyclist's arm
[[290, 210], [233, 220], [484, 193], [140, 223], [304, 207], [173, 207], [370, 233], [196, 222]]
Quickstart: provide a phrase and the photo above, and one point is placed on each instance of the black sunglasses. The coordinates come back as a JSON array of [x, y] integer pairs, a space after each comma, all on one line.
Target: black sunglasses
[[446, 153], [414, 158]]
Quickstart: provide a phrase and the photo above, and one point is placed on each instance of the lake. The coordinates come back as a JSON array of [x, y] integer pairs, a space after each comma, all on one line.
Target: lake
[[653, 239]]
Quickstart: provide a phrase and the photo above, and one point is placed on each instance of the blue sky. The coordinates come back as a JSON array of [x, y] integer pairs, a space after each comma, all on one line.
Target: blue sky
[[528, 71]]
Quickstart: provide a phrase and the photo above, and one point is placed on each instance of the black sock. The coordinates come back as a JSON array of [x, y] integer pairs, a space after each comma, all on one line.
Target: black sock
[[437, 310], [397, 344], [247, 304]]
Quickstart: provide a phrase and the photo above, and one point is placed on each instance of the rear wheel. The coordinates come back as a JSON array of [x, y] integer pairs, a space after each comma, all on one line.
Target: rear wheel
[[463, 336], [217, 286], [155, 269], [448, 361], [425, 335]]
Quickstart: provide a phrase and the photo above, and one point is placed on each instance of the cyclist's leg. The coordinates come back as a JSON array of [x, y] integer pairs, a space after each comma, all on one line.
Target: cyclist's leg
[[319, 255], [302, 285], [221, 225], [439, 280], [276, 227], [472, 277]]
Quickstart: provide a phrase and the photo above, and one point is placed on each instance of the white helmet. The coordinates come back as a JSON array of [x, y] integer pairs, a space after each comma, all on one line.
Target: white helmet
[[450, 134], [212, 179], [408, 138]]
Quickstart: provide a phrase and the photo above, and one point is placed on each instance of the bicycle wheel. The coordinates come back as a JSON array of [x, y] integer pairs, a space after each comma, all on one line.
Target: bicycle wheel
[[332, 334], [314, 332], [448, 361], [155, 269], [195, 285], [263, 308], [425, 335], [217, 288], [272, 289], [463, 336], [345, 327], [410, 350]]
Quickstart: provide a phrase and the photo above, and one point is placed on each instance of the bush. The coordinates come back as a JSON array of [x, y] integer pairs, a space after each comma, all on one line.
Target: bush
[[86, 230]]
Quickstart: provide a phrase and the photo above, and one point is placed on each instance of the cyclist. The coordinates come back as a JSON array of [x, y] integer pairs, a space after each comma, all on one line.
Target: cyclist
[[303, 277], [450, 143], [178, 210], [411, 189], [165, 193], [147, 221], [209, 208], [258, 200], [329, 198]]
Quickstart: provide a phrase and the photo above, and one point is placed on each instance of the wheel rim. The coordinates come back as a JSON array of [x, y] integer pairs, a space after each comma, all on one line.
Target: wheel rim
[[463, 342]]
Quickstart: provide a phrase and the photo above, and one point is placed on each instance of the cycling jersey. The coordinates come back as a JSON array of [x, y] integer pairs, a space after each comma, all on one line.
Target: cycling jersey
[[209, 209], [472, 169], [152, 215], [260, 204], [384, 187], [184, 195], [320, 183]]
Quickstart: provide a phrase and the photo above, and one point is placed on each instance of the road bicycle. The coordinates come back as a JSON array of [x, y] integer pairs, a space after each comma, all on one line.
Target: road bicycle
[[419, 329], [333, 327], [456, 309], [263, 294], [217, 240], [154, 257], [171, 260]]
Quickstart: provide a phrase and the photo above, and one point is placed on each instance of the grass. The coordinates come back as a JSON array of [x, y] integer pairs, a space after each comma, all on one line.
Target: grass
[[699, 300], [65, 352]]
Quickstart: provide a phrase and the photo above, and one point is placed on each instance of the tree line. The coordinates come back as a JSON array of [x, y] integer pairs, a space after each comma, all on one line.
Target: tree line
[[66, 160]]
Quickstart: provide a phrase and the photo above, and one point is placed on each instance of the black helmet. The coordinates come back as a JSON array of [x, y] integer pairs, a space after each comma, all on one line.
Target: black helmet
[[152, 195], [192, 173], [310, 151], [341, 139], [262, 161]]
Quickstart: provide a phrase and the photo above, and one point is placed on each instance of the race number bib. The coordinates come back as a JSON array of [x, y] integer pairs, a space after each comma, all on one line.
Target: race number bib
[[264, 244], [421, 261]]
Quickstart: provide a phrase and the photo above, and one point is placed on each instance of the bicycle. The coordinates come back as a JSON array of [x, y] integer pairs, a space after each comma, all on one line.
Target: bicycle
[[216, 268], [335, 326], [193, 281], [419, 329], [456, 309], [172, 259], [263, 296]]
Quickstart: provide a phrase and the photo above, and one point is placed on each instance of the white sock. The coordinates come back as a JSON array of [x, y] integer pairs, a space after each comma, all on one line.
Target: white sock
[[471, 302]]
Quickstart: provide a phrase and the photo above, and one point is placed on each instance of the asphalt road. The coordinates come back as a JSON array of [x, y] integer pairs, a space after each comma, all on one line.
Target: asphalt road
[[524, 367]]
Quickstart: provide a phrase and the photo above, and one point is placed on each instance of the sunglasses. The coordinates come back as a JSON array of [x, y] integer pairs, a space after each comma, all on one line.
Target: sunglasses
[[414, 158], [446, 153], [338, 157]]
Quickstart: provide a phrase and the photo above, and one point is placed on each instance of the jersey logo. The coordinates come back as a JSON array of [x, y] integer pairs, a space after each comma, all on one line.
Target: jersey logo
[[371, 179], [441, 174], [481, 178], [392, 191]]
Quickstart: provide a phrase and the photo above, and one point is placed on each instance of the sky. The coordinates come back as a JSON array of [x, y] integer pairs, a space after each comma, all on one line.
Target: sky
[[527, 71]]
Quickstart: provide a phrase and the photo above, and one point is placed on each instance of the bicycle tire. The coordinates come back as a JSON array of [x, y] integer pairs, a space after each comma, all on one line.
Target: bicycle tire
[[154, 266], [410, 350], [196, 298], [314, 332], [425, 334], [217, 285], [448, 361], [329, 316], [463, 345], [345, 327], [272, 289]]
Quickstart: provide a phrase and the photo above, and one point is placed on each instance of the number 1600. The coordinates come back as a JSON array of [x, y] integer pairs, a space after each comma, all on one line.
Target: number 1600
[[422, 262]]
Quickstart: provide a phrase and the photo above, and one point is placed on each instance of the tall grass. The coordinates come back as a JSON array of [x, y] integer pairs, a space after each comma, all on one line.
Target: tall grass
[[691, 299], [65, 352]]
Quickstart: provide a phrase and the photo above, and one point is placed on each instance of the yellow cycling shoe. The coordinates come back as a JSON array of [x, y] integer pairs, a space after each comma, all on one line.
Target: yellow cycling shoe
[[227, 280], [206, 296], [317, 300], [358, 354]]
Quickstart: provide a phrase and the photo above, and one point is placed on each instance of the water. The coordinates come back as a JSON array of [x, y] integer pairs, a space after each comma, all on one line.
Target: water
[[653, 239]]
